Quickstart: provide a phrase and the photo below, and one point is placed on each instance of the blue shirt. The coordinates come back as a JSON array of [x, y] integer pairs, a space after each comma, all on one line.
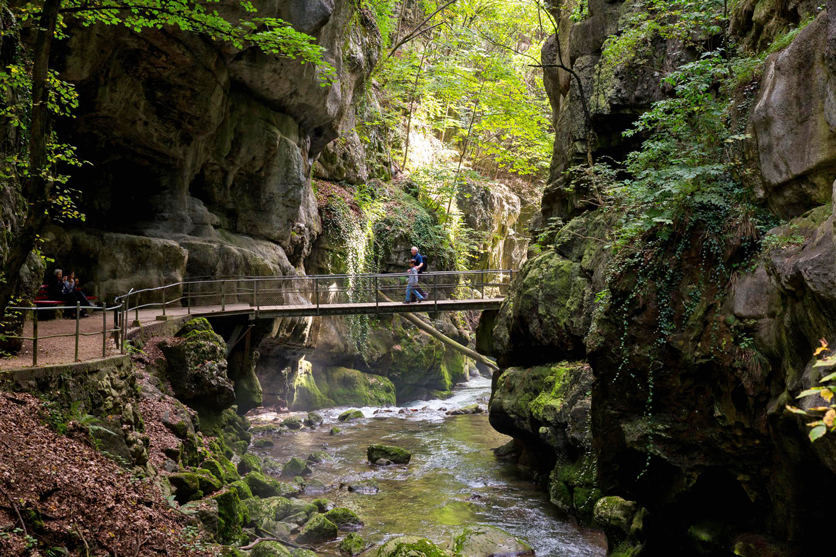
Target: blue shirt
[[419, 259]]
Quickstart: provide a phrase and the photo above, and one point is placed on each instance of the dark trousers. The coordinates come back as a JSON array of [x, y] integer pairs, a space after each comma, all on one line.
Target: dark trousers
[[75, 297], [418, 288]]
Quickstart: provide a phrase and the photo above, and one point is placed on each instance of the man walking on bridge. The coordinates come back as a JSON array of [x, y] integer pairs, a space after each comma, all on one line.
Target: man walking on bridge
[[420, 265]]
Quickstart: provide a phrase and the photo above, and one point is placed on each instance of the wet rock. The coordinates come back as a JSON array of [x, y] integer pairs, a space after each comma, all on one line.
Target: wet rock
[[345, 519], [318, 456], [484, 541], [472, 409], [220, 467], [292, 423], [249, 463], [269, 549], [314, 487], [335, 431], [350, 415], [384, 462], [352, 544], [317, 530], [263, 443], [298, 518], [412, 546], [313, 419], [621, 521], [388, 452], [756, 545], [262, 429], [510, 449], [334, 386], [323, 505], [366, 487], [295, 467]]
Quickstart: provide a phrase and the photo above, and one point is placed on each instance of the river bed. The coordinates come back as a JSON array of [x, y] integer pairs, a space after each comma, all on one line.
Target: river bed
[[453, 480]]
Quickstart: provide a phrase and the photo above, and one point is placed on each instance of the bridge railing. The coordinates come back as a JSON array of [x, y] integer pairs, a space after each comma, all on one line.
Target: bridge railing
[[260, 293], [312, 290]]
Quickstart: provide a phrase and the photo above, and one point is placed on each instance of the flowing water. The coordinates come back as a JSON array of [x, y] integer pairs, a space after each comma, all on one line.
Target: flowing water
[[453, 480]]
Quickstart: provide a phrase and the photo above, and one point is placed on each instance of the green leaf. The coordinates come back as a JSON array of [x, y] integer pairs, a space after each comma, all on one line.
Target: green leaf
[[817, 432], [810, 392]]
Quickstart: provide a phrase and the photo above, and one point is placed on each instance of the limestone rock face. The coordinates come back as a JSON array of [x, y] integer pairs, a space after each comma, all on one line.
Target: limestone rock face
[[204, 146], [794, 123]]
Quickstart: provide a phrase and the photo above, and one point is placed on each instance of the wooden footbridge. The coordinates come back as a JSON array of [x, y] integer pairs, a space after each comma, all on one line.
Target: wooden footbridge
[[261, 297]]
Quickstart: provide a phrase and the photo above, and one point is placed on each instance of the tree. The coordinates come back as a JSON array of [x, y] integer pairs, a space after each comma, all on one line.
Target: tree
[[38, 168]]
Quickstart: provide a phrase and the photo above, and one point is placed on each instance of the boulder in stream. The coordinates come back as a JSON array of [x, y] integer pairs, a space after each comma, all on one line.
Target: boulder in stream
[[472, 409], [350, 415], [352, 544], [318, 456], [313, 419], [317, 530], [295, 467], [345, 519], [485, 541], [412, 546], [396, 455], [269, 549], [366, 487], [292, 422]]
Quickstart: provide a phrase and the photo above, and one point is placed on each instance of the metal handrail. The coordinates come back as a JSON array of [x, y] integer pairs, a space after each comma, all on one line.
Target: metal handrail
[[358, 286]]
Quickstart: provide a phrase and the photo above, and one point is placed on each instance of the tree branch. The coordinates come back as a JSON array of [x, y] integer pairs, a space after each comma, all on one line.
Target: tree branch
[[416, 32]]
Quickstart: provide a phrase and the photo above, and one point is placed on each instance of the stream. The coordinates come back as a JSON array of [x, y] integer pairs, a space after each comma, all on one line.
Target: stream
[[453, 480]]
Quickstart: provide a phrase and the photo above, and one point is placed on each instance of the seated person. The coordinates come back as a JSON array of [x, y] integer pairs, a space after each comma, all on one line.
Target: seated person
[[71, 295]]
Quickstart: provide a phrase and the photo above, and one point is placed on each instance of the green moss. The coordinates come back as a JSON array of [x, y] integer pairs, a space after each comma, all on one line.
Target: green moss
[[243, 490], [270, 549], [317, 530], [270, 508], [295, 467], [388, 452], [249, 463], [352, 544], [350, 415], [350, 387], [322, 504], [345, 519], [223, 470], [550, 400], [232, 516], [411, 547], [306, 394], [261, 485]]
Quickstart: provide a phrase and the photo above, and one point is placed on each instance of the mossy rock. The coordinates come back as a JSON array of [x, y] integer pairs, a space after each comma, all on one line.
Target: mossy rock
[[194, 325], [230, 551], [270, 508], [344, 518], [484, 541], [249, 463], [270, 549], [308, 509], [353, 544], [318, 456], [412, 546], [351, 387], [323, 505], [244, 491], [192, 485], [232, 516], [263, 443], [301, 552], [292, 423], [276, 529], [396, 455], [350, 415], [335, 431], [222, 469], [295, 467], [261, 485], [313, 419], [584, 499], [265, 428], [317, 530]]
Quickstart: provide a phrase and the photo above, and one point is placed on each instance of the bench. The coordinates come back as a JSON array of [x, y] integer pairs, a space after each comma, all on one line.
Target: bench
[[42, 298]]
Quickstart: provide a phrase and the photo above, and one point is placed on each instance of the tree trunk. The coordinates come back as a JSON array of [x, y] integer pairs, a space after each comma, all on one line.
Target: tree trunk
[[464, 152], [36, 188], [412, 105]]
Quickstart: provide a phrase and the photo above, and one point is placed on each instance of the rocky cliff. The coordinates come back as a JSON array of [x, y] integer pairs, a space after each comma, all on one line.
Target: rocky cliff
[[202, 153], [690, 439]]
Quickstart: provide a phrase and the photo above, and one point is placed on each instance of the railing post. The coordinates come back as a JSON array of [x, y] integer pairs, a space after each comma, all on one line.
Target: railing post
[[104, 331], [123, 329], [435, 291], [188, 298], [223, 295], [77, 322], [482, 275], [136, 310], [255, 293], [164, 299], [316, 293], [35, 335], [376, 300]]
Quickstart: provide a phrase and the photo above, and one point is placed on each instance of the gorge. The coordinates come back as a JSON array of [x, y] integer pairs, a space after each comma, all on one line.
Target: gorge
[[658, 174]]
